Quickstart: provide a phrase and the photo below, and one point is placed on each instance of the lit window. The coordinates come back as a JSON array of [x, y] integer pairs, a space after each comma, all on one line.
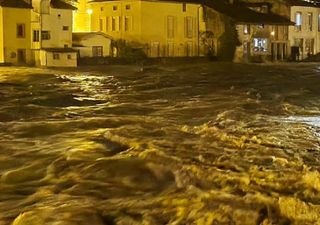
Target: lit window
[[309, 21], [65, 28], [36, 36], [115, 8], [20, 31], [97, 51], [128, 7], [260, 44], [56, 56], [246, 29], [298, 21], [45, 35]]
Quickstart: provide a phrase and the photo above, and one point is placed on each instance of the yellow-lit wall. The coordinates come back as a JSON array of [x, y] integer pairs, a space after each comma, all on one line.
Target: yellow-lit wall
[[147, 24], [1, 37], [11, 43], [81, 17], [46, 59]]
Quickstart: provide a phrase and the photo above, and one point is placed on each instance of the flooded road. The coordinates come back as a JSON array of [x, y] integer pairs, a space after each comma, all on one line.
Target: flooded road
[[208, 143]]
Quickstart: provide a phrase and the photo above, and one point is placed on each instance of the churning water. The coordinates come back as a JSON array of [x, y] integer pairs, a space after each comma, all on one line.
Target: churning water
[[197, 144]]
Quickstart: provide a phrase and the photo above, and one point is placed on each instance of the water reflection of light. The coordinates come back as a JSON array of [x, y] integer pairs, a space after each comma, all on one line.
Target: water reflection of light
[[310, 120]]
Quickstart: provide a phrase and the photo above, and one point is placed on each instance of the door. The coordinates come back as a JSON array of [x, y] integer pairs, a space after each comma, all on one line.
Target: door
[[155, 49], [21, 54]]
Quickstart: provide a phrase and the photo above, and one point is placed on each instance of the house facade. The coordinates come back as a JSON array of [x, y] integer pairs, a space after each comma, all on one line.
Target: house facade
[[92, 44], [15, 37], [305, 35], [265, 38], [163, 29], [52, 34]]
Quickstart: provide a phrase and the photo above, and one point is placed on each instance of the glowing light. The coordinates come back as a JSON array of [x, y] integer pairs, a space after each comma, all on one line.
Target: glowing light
[[89, 11], [272, 33]]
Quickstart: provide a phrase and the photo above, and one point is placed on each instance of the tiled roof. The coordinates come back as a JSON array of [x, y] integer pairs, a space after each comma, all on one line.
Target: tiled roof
[[78, 36], [61, 50], [59, 4], [237, 12], [314, 4], [15, 4]]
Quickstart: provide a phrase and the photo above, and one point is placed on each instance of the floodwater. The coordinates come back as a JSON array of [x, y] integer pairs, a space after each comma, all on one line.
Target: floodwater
[[203, 144]]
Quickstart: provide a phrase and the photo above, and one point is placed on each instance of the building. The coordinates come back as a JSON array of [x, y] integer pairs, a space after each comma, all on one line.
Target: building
[[305, 35], [52, 33], [163, 29], [264, 38], [15, 37], [92, 44]]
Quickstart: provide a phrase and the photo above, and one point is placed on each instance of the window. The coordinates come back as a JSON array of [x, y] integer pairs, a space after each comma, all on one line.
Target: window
[[170, 26], [189, 27], [20, 31], [184, 7], [128, 7], [264, 9], [309, 15], [113, 24], [36, 36], [101, 24], [309, 43], [319, 22], [298, 21], [56, 56], [69, 56], [65, 46], [97, 51], [101, 8], [65, 28], [59, 16], [260, 45], [246, 29], [45, 35], [107, 23], [126, 23], [115, 8]]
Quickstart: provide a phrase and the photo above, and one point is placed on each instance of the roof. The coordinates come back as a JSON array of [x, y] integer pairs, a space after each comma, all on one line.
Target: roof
[[62, 50], [78, 36], [15, 4], [314, 4], [238, 12], [59, 4]]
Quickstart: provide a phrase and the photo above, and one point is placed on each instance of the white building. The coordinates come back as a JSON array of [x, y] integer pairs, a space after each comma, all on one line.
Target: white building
[[305, 35], [92, 44], [52, 33]]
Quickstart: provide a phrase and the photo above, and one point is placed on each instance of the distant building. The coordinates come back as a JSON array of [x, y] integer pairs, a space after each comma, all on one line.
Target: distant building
[[265, 38], [52, 33], [92, 44], [15, 37], [164, 29], [305, 35], [192, 28]]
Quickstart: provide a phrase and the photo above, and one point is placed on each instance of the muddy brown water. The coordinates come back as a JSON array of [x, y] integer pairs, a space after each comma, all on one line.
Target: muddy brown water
[[208, 143]]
